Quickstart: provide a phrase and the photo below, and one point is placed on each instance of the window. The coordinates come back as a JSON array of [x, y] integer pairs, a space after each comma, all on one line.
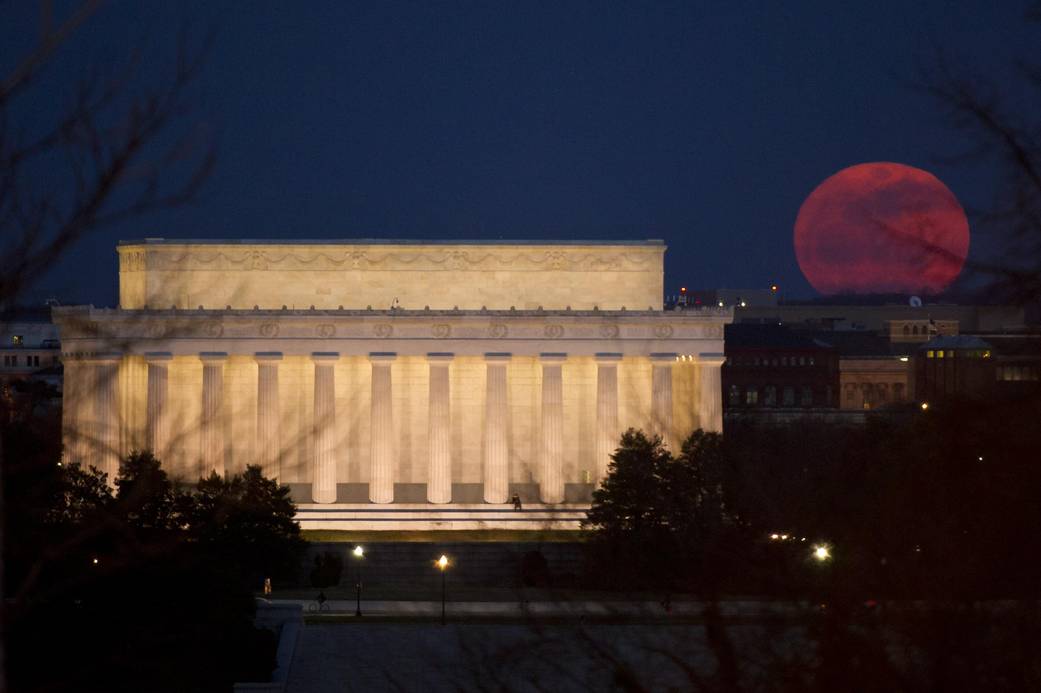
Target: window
[[32, 361], [851, 392], [734, 395], [914, 330], [907, 330], [770, 396], [930, 354], [939, 354], [751, 396], [18, 340], [807, 396], [898, 392], [788, 396], [810, 360]]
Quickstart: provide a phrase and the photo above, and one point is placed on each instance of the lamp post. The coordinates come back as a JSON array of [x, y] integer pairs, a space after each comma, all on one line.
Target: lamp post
[[442, 563], [359, 553]]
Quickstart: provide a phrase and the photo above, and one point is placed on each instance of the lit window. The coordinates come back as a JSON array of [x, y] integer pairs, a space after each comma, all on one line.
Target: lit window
[[17, 340], [930, 354], [751, 396], [986, 354], [735, 395], [788, 396], [939, 354]]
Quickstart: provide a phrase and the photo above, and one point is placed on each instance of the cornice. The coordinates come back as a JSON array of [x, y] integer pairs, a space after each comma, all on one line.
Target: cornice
[[446, 326]]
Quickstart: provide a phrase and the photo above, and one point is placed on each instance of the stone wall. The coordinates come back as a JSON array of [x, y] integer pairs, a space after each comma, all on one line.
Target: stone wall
[[469, 276]]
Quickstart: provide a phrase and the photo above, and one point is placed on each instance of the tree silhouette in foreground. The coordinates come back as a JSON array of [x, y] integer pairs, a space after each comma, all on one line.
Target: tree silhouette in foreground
[[145, 588]]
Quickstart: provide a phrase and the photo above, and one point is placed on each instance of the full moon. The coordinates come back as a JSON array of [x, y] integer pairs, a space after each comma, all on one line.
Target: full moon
[[881, 228]]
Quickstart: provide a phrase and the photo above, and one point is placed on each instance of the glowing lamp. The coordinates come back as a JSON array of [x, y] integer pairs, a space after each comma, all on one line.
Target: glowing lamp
[[442, 562], [821, 553], [925, 405], [358, 552]]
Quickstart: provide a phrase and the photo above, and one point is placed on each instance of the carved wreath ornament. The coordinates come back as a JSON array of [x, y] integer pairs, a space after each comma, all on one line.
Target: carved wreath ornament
[[326, 330], [383, 330], [663, 331], [609, 331], [441, 331], [553, 331], [269, 329], [498, 331]]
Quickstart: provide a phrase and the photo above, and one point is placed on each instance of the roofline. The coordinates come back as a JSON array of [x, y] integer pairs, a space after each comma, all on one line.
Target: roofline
[[650, 242]]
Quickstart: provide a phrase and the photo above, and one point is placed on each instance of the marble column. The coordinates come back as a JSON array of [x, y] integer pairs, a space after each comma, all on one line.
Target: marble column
[[607, 432], [269, 414], [211, 438], [661, 396], [158, 412], [710, 391], [382, 451], [439, 434], [104, 434], [74, 412], [323, 479], [551, 460], [496, 446]]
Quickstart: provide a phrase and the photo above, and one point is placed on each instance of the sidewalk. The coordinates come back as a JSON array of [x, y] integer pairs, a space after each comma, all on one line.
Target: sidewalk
[[516, 609]]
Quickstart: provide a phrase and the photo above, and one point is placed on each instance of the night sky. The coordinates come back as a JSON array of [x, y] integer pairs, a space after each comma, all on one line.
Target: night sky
[[703, 126]]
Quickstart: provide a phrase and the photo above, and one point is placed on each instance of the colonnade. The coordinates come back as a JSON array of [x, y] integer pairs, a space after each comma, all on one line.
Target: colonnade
[[102, 377]]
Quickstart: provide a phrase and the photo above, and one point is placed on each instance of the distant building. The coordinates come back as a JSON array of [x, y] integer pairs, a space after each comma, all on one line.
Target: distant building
[[30, 362], [771, 367], [959, 365]]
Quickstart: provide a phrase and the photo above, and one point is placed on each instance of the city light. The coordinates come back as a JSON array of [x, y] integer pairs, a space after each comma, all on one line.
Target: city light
[[821, 552], [359, 552], [442, 562], [925, 405], [904, 359]]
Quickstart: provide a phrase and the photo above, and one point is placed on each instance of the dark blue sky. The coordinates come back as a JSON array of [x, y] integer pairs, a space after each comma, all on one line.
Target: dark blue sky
[[705, 126]]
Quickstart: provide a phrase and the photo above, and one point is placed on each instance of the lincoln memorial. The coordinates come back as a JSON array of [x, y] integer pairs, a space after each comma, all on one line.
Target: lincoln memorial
[[390, 384]]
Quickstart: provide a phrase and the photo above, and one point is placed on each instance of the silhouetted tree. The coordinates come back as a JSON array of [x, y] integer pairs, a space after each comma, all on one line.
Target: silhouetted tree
[[247, 520]]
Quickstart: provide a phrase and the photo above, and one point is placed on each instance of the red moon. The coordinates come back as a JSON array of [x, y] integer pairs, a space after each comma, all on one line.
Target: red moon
[[881, 228]]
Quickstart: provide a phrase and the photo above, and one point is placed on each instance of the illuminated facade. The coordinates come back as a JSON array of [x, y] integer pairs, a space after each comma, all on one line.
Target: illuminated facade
[[391, 384]]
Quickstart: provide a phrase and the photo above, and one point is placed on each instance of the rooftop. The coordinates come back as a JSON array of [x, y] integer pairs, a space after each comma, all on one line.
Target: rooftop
[[655, 242]]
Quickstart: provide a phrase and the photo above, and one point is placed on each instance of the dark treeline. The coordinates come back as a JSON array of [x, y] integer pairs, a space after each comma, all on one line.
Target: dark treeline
[[929, 523], [146, 586], [937, 503]]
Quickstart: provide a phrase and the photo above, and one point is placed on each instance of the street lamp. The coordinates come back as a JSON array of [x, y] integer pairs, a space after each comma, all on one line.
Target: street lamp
[[821, 553], [442, 563], [359, 553]]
